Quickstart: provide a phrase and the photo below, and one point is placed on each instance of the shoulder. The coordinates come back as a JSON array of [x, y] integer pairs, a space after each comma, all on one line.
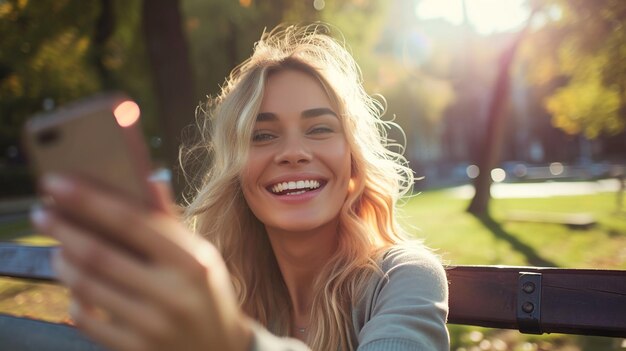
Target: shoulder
[[413, 258], [410, 270], [406, 302]]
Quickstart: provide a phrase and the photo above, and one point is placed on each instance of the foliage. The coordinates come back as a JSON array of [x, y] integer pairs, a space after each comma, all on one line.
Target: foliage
[[222, 33], [42, 56], [585, 103], [361, 23], [48, 57], [417, 102], [585, 73]]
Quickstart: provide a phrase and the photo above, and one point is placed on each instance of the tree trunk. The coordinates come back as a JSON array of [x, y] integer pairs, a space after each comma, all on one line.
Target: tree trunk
[[105, 26], [496, 119], [172, 76]]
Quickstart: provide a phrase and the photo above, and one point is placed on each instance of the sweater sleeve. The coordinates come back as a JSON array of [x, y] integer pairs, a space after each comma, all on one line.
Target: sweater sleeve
[[407, 307]]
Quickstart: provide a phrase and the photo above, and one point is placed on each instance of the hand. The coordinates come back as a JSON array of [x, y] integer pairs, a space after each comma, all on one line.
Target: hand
[[139, 279]]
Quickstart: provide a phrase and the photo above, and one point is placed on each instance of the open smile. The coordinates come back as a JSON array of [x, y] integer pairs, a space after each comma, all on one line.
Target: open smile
[[295, 187]]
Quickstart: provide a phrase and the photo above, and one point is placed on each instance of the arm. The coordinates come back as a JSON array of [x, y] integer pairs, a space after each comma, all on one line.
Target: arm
[[406, 308]]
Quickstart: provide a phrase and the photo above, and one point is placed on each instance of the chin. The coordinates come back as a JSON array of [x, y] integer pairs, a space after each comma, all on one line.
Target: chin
[[295, 224]]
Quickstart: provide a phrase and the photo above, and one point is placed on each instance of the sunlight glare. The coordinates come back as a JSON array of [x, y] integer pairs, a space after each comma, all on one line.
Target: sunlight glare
[[486, 16]]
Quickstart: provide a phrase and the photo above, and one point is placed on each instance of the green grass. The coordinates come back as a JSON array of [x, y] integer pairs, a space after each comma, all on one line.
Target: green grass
[[460, 238], [13, 229]]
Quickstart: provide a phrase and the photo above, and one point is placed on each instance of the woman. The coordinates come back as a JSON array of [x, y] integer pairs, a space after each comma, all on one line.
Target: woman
[[298, 209]]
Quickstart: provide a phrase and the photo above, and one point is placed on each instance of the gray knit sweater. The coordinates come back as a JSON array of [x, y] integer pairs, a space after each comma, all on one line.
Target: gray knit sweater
[[403, 309]]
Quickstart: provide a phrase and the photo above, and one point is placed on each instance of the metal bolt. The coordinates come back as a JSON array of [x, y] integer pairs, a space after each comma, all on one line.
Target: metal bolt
[[528, 287], [528, 307]]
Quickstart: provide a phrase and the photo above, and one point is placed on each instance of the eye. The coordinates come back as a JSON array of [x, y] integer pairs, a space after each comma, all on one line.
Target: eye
[[321, 130], [261, 136]]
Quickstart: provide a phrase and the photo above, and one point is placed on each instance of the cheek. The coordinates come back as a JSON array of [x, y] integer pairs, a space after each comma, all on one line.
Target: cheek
[[250, 174], [248, 182], [342, 163]]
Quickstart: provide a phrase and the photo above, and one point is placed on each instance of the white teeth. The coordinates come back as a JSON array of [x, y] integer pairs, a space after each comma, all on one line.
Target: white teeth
[[294, 185], [297, 192]]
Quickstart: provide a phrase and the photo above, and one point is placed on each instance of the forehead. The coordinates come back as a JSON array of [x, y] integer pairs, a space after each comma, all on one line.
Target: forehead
[[292, 90]]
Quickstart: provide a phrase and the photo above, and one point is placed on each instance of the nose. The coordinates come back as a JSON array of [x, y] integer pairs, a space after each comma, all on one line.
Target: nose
[[293, 151]]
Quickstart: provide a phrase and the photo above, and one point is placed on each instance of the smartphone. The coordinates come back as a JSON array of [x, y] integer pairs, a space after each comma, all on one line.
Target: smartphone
[[98, 139]]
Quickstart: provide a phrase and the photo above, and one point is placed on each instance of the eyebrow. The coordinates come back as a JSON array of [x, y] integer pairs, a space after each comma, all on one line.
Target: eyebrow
[[314, 112]]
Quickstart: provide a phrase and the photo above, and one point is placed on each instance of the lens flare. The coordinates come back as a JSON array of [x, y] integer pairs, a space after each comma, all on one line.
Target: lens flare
[[126, 113]]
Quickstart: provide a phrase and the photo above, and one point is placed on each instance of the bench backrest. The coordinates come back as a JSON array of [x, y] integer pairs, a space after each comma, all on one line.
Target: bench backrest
[[529, 299]]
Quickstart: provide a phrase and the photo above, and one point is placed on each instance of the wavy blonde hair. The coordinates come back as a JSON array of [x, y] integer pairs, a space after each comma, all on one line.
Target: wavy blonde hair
[[367, 224]]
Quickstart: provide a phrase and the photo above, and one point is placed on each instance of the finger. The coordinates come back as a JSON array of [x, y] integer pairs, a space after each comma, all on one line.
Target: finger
[[117, 305], [168, 305], [156, 236], [85, 247], [103, 261], [112, 336]]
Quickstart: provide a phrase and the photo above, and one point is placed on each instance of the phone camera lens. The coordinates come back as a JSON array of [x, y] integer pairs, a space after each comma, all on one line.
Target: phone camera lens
[[48, 136]]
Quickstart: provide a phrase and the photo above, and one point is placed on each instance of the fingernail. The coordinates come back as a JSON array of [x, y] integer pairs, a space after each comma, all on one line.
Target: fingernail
[[56, 184], [65, 272], [74, 308], [161, 175], [38, 216]]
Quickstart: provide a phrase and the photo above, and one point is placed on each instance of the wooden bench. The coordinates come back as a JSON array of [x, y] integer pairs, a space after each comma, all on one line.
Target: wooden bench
[[529, 299]]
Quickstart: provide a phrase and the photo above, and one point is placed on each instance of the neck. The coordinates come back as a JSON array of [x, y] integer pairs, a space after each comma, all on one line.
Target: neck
[[301, 256]]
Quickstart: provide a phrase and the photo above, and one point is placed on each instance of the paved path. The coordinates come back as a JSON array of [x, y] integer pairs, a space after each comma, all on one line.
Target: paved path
[[546, 189]]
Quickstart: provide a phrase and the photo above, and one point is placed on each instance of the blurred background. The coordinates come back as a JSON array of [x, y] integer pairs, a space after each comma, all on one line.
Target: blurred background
[[514, 113]]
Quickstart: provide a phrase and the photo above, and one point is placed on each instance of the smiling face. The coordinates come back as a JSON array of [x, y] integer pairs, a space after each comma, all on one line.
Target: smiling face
[[298, 170]]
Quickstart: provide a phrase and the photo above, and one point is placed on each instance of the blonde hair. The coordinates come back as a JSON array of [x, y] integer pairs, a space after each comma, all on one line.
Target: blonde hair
[[367, 224]]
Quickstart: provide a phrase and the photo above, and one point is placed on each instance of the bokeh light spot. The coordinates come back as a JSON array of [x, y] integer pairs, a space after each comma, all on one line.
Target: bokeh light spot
[[126, 113], [319, 5], [472, 171], [520, 170], [498, 175], [556, 168]]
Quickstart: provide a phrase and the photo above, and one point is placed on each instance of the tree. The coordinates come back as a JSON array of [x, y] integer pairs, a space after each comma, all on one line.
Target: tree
[[172, 75], [582, 47], [42, 59], [496, 120], [55, 52]]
